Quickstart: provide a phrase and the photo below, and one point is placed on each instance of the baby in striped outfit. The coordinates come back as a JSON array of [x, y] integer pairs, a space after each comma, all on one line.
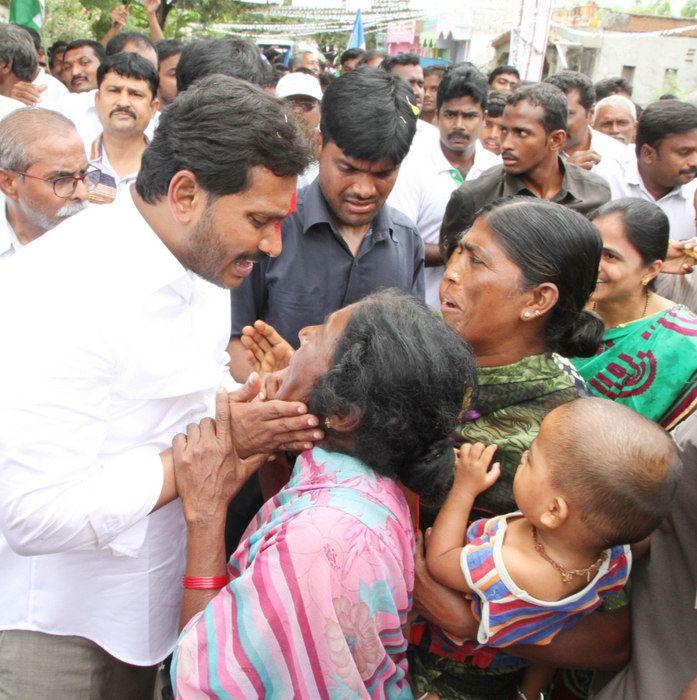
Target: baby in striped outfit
[[597, 478]]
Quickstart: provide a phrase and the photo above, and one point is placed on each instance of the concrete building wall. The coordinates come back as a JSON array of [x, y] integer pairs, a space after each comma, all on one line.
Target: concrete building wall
[[651, 57]]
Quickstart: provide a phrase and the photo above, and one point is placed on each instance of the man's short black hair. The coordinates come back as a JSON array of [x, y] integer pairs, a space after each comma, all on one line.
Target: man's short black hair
[[612, 86], [219, 129], [569, 80], [496, 103], [552, 100], [117, 43], [325, 79], [369, 56], [96, 47], [431, 70], [233, 56], [499, 70], [35, 36], [130, 65], [401, 59], [168, 48], [370, 115], [271, 76], [463, 81], [664, 118], [55, 48], [350, 55]]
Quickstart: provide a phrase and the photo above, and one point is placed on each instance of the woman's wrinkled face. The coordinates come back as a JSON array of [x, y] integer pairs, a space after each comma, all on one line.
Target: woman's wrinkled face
[[313, 358], [621, 267], [481, 293]]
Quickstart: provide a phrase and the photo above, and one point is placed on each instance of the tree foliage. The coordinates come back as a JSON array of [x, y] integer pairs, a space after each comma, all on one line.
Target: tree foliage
[[652, 7], [689, 9]]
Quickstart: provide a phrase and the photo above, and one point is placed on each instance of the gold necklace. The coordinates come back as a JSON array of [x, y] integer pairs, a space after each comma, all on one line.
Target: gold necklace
[[567, 575], [643, 313]]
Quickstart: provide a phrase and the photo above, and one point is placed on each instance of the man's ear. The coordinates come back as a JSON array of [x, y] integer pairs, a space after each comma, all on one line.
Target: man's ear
[[648, 154], [185, 196], [8, 183], [557, 139]]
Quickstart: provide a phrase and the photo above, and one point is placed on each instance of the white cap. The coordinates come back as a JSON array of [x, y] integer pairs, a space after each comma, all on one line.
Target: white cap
[[299, 84]]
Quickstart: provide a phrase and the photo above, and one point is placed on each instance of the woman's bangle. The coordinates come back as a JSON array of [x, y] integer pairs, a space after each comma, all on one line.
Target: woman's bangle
[[205, 583], [520, 695]]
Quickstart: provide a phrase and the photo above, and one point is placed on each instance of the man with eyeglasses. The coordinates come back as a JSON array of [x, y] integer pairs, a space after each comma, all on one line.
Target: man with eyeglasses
[[44, 179]]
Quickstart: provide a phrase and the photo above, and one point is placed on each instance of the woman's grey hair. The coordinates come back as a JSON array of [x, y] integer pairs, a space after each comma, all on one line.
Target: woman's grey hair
[[17, 47], [18, 132]]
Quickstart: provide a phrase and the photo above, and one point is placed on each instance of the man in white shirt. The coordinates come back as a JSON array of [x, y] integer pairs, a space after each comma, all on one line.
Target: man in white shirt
[[664, 171], [44, 177], [18, 64], [126, 101], [428, 176], [119, 319], [615, 116], [80, 62], [664, 166], [585, 146]]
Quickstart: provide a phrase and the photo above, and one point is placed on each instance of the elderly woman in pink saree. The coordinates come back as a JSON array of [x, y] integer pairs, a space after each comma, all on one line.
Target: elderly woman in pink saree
[[321, 583]]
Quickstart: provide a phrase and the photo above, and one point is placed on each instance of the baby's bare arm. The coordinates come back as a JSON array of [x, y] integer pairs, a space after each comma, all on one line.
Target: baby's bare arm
[[472, 476]]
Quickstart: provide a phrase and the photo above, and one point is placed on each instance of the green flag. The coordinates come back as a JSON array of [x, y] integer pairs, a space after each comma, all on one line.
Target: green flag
[[27, 13]]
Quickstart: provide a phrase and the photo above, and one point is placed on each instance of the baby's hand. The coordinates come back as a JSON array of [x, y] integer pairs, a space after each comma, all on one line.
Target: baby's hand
[[472, 472]]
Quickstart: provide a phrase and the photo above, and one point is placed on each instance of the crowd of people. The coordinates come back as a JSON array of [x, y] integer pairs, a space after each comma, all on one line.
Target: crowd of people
[[313, 385]]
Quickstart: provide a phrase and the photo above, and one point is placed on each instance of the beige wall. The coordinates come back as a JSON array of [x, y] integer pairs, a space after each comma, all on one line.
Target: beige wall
[[651, 56]]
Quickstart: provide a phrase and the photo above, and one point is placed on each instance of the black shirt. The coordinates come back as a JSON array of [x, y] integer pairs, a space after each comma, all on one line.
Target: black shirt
[[316, 273], [581, 191]]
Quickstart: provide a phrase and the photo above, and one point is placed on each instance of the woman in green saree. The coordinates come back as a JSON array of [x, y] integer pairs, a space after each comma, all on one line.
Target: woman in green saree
[[515, 289], [647, 359]]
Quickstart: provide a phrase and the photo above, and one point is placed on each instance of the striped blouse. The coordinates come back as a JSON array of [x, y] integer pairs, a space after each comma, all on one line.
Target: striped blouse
[[321, 586], [508, 615]]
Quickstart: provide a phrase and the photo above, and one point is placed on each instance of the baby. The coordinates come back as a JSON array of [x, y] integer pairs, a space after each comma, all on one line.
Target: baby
[[597, 478]]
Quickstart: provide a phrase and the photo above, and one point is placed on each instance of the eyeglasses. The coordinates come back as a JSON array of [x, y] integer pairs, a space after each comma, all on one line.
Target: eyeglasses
[[65, 186]]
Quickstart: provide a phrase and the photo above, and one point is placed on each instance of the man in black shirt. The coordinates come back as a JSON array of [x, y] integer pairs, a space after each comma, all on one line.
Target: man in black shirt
[[533, 135], [342, 242]]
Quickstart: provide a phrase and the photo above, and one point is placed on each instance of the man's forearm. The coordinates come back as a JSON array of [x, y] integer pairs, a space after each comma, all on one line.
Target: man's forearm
[[156, 33], [600, 642], [113, 31], [169, 486]]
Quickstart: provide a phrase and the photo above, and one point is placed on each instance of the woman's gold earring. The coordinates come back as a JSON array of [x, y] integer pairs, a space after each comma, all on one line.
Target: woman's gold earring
[[327, 423], [526, 314], [645, 282]]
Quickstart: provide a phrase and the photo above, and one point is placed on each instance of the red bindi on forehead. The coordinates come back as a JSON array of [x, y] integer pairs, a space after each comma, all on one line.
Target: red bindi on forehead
[[293, 206]]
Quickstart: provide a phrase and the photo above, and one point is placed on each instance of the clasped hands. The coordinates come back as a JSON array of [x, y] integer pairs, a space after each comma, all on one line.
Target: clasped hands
[[216, 456]]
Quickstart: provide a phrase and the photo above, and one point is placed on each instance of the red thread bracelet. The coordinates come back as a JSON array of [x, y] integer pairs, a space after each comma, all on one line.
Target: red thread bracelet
[[204, 583]]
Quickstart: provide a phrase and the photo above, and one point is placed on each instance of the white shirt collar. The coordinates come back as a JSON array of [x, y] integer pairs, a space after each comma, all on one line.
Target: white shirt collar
[[633, 177], [156, 265], [8, 237], [483, 159]]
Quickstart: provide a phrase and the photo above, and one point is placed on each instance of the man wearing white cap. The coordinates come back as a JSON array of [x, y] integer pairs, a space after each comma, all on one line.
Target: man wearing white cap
[[304, 94]]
